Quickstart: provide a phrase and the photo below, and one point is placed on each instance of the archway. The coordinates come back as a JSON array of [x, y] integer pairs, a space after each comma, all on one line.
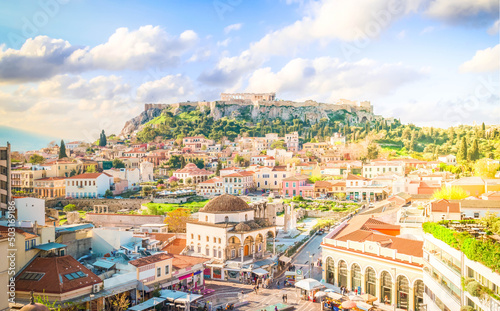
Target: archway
[[342, 273], [330, 270], [246, 250], [386, 287], [418, 289], [371, 281], [355, 277], [403, 292], [233, 247], [259, 240]]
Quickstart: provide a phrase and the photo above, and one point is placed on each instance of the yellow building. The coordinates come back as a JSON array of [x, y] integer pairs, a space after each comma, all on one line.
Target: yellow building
[[153, 270], [475, 186], [50, 187], [23, 180], [61, 168]]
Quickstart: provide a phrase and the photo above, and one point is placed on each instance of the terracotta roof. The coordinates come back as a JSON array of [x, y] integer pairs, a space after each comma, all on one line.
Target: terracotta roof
[[50, 178], [192, 169], [279, 168], [182, 261], [27, 235], [241, 174], [356, 177], [54, 279], [443, 206], [88, 176], [175, 247], [296, 178], [150, 259], [226, 203], [322, 183], [211, 180], [403, 246]]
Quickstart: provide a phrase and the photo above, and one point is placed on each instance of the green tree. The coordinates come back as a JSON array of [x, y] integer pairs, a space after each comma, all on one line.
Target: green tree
[[175, 162], [278, 144], [69, 208], [183, 162], [189, 180], [108, 193], [473, 153], [219, 167], [62, 150], [36, 159], [462, 150], [90, 169], [450, 193], [372, 151], [102, 139], [117, 163], [486, 168]]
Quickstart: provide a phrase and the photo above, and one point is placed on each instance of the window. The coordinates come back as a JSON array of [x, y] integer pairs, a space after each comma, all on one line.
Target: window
[[219, 240], [215, 240], [167, 269], [192, 236], [476, 215], [32, 276], [286, 185], [208, 238], [207, 251], [158, 272], [294, 185], [206, 218], [199, 237]]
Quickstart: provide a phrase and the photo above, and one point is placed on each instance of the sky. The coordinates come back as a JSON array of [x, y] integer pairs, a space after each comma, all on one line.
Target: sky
[[70, 68]]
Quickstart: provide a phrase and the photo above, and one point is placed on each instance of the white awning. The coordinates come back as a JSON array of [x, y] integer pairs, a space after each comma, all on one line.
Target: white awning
[[260, 271]]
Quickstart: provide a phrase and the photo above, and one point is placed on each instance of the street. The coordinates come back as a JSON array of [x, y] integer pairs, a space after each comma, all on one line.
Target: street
[[303, 258]]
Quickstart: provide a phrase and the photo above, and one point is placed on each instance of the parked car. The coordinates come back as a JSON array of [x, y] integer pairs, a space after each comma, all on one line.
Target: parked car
[[321, 231]]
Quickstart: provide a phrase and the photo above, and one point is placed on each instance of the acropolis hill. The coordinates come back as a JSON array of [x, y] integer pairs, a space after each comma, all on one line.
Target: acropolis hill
[[258, 106]]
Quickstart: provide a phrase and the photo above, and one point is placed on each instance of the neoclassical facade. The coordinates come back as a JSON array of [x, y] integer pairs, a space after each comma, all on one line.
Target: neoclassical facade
[[227, 229], [383, 265]]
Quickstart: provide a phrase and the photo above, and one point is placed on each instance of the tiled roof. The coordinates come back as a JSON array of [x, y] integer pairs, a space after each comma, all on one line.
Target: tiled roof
[[241, 174], [356, 177], [150, 259], [322, 183], [296, 178], [175, 247], [50, 178], [27, 235], [182, 261], [212, 180], [54, 279], [88, 176], [445, 206], [192, 169]]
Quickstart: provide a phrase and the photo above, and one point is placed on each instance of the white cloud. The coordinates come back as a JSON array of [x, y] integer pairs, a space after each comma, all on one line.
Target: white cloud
[[329, 79], [457, 11], [401, 35], [43, 57], [169, 89], [324, 21], [224, 43], [427, 29], [200, 55], [487, 60], [233, 27], [494, 29]]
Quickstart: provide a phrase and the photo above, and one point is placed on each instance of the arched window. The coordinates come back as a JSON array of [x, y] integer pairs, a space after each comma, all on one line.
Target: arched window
[[199, 249], [386, 287], [220, 253], [246, 217], [371, 281], [356, 277], [403, 291], [206, 218], [342, 273], [330, 271], [215, 252], [207, 251], [418, 289]]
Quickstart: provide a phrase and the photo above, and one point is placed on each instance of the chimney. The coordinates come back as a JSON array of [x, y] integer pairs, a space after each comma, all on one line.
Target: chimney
[[35, 228]]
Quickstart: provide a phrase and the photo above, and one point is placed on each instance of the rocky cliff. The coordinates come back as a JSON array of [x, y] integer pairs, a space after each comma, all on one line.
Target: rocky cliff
[[134, 124]]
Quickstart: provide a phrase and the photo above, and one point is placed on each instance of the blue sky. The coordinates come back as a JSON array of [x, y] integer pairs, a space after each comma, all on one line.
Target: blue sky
[[69, 68]]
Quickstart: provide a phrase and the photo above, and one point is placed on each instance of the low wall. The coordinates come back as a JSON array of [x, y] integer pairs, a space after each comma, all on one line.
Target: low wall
[[123, 220], [87, 204]]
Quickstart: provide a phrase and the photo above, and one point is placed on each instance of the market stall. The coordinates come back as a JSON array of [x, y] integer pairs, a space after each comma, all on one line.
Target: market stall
[[308, 288]]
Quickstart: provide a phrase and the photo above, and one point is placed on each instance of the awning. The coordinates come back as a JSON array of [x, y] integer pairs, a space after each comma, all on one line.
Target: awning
[[143, 287], [260, 271], [50, 246], [178, 297], [103, 264], [148, 304], [285, 259]]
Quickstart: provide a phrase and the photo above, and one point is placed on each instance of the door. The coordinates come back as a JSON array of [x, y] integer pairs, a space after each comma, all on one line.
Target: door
[[247, 250]]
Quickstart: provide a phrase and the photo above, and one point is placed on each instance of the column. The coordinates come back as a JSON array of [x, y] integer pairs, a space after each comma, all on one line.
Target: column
[[93, 208], [363, 284], [349, 279], [242, 254], [411, 298], [393, 293], [377, 290], [253, 250], [274, 246]]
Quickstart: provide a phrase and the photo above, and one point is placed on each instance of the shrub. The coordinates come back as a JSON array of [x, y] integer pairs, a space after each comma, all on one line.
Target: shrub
[[474, 288], [69, 208]]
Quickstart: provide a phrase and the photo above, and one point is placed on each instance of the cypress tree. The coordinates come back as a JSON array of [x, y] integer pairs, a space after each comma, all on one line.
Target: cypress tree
[[474, 151], [62, 150], [462, 150]]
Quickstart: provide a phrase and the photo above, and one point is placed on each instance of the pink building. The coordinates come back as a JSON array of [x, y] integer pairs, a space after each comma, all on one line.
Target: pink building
[[297, 185]]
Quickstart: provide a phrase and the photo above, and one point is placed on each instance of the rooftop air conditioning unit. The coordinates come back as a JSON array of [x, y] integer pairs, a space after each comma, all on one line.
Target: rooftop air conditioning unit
[[96, 288]]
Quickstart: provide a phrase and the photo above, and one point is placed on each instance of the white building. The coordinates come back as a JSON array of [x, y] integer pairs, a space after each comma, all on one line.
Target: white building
[[210, 188], [444, 271], [131, 175], [226, 229], [146, 169], [88, 185], [196, 174], [448, 159], [30, 209], [376, 168], [292, 141]]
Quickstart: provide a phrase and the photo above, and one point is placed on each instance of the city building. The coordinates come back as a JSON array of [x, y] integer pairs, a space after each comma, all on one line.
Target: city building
[[153, 270], [366, 254], [23, 179], [447, 268], [364, 189], [270, 178], [376, 168], [5, 175], [197, 143], [238, 183], [50, 187], [191, 171], [297, 186], [211, 187], [88, 185]]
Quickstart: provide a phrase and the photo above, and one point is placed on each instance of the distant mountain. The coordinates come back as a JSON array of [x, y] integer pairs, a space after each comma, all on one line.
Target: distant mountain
[[21, 140]]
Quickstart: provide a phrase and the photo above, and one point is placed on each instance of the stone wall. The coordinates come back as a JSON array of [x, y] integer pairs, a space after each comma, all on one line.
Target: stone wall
[[123, 220], [87, 204]]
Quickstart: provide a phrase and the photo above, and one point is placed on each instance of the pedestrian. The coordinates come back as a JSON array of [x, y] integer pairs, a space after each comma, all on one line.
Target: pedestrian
[[356, 291], [283, 297], [276, 308], [286, 298]]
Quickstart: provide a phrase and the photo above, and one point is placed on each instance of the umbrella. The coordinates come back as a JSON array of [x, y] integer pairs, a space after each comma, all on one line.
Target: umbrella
[[369, 298], [320, 294], [308, 284], [348, 304]]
